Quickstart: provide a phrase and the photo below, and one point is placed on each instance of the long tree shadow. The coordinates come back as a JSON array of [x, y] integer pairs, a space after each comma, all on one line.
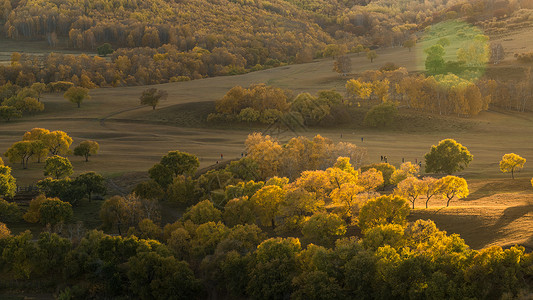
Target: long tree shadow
[[498, 187]]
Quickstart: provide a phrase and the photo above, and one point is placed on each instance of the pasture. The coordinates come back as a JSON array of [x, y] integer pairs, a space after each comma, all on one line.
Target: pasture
[[132, 138]]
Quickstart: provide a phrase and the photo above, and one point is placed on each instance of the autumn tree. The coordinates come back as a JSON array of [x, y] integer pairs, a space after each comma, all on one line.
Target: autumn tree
[[447, 157], [152, 96], [77, 94], [410, 43], [407, 169], [410, 188], [371, 55], [57, 142], [511, 162], [267, 201], [453, 186], [32, 215], [86, 149], [430, 187], [383, 210], [342, 64]]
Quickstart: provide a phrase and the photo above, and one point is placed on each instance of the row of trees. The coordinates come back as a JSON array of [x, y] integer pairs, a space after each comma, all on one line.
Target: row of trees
[[39, 143]]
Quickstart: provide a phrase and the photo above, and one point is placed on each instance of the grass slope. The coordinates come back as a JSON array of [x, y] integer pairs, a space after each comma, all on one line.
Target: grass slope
[[134, 137]]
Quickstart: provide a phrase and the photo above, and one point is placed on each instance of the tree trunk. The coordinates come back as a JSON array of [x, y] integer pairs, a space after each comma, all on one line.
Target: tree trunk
[[86, 158], [153, 107], [512, 173], [78, 105], [448, 202]]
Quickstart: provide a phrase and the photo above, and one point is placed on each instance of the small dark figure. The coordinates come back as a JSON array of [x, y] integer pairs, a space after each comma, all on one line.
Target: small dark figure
[[362, 139], [242, 154], [402, 160], [420, 164], [382, 158], [221, 156], [217, 161], [385, 158], [416, 160], [341, 135]]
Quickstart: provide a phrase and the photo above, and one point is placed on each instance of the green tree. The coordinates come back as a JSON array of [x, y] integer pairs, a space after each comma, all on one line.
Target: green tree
[[203, 212], [447, 157], [9, 112], [435, 58], [9, 211], [57, 166], [154, 276], [272, 269], [91, 182], [104, 49], [324, 228], [180, 163], [39, 89], [316, 285], [114, 212], [77, 94], [381, 115], [86, 149], [20, 152], [383, 210], [8, 185], [152, 96], [149, 190], [161, 174], [53, 211], [239, 211], [371, 55], [510, 162]]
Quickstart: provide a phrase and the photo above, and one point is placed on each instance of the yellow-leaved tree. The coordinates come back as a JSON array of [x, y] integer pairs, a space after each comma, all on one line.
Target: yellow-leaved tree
[[453, 186], [510, 162], [410, 188]]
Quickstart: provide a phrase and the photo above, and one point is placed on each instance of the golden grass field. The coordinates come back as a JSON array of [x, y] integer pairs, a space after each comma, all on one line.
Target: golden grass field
[[132, 138]]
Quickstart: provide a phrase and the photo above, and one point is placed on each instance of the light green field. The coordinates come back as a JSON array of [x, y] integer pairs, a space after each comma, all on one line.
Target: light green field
[[132, 138]]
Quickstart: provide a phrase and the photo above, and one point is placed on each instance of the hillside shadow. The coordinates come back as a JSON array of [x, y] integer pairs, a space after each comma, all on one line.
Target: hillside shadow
[[511, 214]]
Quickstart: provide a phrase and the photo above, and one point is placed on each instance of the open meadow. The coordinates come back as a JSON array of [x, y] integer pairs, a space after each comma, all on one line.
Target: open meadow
[[132, 138]]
